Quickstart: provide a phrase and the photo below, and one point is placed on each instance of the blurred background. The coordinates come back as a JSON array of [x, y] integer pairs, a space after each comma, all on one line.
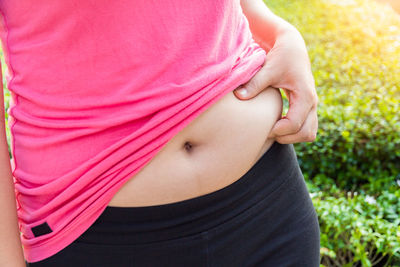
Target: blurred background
[[352, 169]]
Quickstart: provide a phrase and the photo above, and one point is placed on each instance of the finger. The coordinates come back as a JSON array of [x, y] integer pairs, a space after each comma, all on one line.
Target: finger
[[307, 133], [260, 81], [299, 109]]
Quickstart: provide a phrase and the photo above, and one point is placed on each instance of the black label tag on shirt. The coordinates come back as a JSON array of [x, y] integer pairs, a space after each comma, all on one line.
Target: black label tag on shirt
[[41, 229]]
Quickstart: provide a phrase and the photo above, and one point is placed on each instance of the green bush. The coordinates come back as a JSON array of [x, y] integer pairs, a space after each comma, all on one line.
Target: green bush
[[354, 165], [357, 228], [354, 47]]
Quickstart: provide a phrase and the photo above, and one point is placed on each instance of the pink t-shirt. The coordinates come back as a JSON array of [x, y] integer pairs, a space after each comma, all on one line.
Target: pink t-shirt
[[98, 88]]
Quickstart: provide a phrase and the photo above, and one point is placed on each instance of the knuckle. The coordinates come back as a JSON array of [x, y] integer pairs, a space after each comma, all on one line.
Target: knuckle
[[297, 126], [311, 136], [257, 85], [312, 96], [316, 100]]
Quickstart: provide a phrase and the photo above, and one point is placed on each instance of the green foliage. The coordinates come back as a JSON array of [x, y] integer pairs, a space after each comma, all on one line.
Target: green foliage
[[358, 228], [354, 47], [6, 100], [354, 165]]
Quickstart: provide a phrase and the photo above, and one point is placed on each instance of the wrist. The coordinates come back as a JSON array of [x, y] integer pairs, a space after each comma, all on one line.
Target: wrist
[[282, 31]]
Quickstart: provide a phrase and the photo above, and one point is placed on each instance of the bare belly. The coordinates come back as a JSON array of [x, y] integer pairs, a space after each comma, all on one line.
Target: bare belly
[[212, 152]]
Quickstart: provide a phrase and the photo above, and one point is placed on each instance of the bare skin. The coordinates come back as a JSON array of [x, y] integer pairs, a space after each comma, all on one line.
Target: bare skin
[[232, 135], [213, 151]]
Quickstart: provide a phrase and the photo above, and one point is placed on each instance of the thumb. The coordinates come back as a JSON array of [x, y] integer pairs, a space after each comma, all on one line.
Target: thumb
[[259, 82]]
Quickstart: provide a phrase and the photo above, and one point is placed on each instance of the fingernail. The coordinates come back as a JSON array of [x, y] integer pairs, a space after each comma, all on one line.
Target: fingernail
[[242, 91]]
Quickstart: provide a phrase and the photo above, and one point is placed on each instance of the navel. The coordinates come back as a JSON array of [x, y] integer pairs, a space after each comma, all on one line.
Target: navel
[[188, 146]]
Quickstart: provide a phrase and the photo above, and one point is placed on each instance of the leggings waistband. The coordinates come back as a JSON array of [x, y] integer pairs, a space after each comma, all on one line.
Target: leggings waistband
[[198, 214]]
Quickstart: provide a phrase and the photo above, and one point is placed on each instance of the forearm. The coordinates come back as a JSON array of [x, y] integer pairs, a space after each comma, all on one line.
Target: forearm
[[10, 244], [265, 25]]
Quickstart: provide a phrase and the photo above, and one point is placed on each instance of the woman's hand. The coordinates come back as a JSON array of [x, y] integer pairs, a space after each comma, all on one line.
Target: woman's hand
[[287, 66]]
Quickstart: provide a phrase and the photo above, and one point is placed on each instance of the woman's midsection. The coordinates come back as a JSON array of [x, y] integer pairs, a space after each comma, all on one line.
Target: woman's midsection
[[212, 152]]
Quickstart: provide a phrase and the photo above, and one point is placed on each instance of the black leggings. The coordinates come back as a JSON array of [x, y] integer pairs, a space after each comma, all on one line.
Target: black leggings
[[266, 218]]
